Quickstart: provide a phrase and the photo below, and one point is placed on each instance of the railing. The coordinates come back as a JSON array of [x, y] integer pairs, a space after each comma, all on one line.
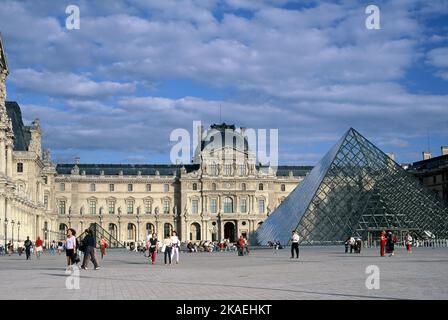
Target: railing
[[99, 232]]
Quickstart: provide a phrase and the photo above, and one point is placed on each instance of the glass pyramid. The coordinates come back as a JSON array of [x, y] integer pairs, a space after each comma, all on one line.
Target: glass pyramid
[[355, 190]]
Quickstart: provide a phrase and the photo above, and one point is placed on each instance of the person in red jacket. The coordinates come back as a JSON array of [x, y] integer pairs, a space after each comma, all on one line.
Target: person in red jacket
[[39, 248], [383, 240], [241, 244]]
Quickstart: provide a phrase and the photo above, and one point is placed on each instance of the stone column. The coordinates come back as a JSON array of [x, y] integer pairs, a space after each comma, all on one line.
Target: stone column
[[9, 160], [2, 157], [2, 217]]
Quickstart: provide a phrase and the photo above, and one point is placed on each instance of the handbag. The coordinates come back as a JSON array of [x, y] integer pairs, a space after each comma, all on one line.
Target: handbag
[[163, 248], [76, 258]]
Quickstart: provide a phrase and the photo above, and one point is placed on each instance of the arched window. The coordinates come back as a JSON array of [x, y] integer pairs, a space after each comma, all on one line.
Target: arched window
[[92, 187], [112, 230], [62, 230], [214, 186], [195, 186], [167, 229], [131, 231], [260, 187], [228, 205], [195, 232], [243, 186], [150, 228], [283, 187]]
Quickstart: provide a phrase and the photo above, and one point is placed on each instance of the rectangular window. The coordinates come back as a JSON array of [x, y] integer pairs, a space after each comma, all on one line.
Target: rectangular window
[[62, 187], [130, 207], [111, 207], [92, 187], [243, 205], [148, 187], [92, 207], [61, 207], [166, 206], [260, 206], [213, 206], [242, 170], [148, 207], [194, 206], [46, 202], [130, 187], [45, 180], [227, 169], [20, 167], [213, 170], [111, 187], [166, 188]]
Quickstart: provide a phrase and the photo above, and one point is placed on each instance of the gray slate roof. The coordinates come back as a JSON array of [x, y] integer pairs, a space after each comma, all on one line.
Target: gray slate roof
[[128, 169], [22, 134], [150, 169]]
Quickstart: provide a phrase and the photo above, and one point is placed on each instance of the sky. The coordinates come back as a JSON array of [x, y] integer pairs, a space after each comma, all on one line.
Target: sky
[[114, 90]]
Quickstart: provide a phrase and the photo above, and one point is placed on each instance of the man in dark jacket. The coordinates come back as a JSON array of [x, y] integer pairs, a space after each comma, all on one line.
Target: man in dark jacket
[[28, 244], [89, 244]]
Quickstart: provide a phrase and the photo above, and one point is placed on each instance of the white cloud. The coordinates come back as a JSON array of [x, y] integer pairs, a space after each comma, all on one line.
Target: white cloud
[[67, 85], [311, 72]]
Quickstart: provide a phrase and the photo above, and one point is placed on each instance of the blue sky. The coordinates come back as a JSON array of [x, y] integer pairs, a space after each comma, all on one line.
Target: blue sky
[[112, 91]]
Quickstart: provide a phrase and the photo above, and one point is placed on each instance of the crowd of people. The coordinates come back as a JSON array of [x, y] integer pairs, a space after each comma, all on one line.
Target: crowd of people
[[84, 250]]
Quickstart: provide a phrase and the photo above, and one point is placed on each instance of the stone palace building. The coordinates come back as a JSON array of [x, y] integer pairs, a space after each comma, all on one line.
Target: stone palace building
[[223, 193]]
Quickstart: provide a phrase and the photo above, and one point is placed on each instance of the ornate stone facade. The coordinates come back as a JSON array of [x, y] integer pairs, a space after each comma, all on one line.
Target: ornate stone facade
[[221, 195], [26, 181]]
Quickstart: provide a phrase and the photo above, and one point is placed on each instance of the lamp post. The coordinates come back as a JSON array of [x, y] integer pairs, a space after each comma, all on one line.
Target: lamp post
[[12, 234], [138, 223], [18, 231], [46, 237], [101, 217], [69, 217], [6, 232], [119, 224]]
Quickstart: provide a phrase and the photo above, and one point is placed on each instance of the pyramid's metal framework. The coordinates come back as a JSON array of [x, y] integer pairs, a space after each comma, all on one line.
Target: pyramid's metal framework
[[355, 190]]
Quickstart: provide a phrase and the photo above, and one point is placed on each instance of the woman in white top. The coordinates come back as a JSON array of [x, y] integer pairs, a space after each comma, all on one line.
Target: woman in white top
[[175, 246], [70, 246]]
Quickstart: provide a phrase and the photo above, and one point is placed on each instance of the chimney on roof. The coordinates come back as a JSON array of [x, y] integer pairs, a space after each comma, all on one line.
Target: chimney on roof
[[444, 150], [391, 155], [77, 160], [426, 155]]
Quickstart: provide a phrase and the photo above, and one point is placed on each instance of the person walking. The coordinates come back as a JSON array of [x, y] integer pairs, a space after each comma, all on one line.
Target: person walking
[[409, 242], [10, 249], [246, 246], [20, 247], [28, 244], [240, 244], [295, 244], [103, 247], [39, 247], [175, 246], [383, 241], [166, 249], [89, 243], [53, 248], [390, 244], [152, 244], [352, 243], [70, 246], [60, 247]]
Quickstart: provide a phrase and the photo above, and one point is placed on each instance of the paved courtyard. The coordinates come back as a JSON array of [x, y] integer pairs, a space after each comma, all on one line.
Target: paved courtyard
[[321, 273]]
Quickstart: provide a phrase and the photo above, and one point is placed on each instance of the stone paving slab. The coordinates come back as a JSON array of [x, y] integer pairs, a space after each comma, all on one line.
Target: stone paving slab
[[320, 273]]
